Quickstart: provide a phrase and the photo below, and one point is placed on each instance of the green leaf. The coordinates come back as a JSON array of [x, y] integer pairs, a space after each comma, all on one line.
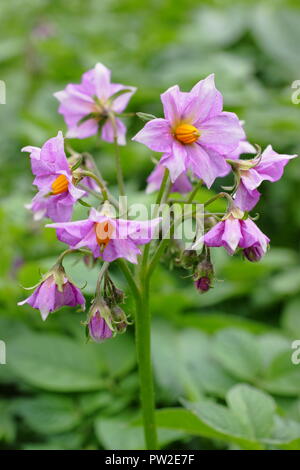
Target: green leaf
[[290, 320], [125, 435], [118, 355], [55, 363], [48, 414], [254, 409], [223, 422], [7, 424], [184, 365], [282, 377], [238, 353]]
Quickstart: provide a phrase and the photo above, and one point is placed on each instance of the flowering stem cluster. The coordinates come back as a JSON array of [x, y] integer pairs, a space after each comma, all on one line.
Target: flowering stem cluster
[[199, 143]]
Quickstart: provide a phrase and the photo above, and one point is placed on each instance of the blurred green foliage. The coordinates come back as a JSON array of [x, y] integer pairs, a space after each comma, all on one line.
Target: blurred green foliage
[[222, 361]]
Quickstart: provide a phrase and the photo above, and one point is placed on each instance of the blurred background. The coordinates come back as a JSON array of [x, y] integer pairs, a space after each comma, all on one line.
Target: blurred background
[[56, 392]]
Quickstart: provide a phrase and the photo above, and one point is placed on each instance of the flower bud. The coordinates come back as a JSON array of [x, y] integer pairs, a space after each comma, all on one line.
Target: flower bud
[[54, 291], [203, 275], [119, 319], [100, 321], [253, 253], [203, 284]]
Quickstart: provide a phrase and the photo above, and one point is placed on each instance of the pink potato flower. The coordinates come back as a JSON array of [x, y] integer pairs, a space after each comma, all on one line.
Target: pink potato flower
[[195, 133], [53, 178], [269, 166], [234, 232], [93, 105], [181, 185], [49, 296], [106, 236]]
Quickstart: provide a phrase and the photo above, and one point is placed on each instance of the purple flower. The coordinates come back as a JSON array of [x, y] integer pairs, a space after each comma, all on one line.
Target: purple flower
[[233, 232], [195, 133], [50, 296], [53, 178], [99, 330], [269, 166], [181, 184], [106, 236], [92, 105]]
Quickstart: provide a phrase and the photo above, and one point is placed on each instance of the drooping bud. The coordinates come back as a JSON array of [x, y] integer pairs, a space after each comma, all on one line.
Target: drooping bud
[[55, 290], [203, 275], [253, 253], [203, 284], [119, 318], [100, 321]]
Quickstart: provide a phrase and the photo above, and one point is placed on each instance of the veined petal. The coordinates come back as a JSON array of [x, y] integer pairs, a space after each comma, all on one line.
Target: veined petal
[[205, 101], [252, 235], [232, 235], [119, 104], [156, 135], [175, 161], [72, 232], [171, 103], [108, 132], [205, 163], [222, 133], [246, 199], [272, 164], [83, 130], [214, 236], [121, 248], [101, 80]]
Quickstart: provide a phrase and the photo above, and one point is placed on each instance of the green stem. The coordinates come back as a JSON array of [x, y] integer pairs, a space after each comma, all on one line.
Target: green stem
[[143, 349], [117, 156], [162, 195], [119, 168], [218, 196], [194, 192], [101, 185]]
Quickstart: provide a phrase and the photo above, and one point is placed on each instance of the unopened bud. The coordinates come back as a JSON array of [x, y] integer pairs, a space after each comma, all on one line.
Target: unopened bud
[[119, 319], [253, 253], [100, 321], [203, 275], [203, 284]]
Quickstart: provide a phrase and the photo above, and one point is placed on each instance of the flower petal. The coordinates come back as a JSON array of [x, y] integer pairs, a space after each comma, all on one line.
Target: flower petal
[[232, 235], [205, 102], [246, 199], [171, 100], [222, 133], [206, 164], [156, 135], [176, 161], [108, 132]]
